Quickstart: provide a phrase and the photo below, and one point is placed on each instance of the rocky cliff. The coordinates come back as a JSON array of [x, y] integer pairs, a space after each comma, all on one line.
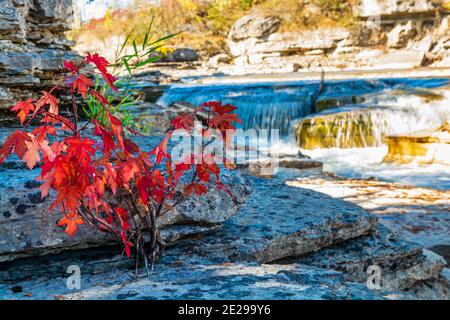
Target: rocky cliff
[[387, 35], [32, 46]]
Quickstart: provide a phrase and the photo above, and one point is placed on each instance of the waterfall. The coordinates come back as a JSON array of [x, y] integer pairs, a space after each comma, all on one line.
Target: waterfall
[[390, 106], [367, 124], [268, 105]]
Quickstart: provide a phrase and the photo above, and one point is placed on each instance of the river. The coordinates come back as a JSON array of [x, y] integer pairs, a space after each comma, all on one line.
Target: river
[[380, 107]]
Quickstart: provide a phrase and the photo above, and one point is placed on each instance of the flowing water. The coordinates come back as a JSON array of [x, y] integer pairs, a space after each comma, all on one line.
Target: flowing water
[[356, 114]]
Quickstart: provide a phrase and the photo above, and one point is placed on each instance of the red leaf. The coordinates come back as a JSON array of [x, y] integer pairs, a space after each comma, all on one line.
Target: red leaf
[[102, 64], [103, 101], [82, 84], [68, 65], [217, 107], [71, 221], [16, 143], [31, 156], [108, 141], [23, 109], [48, 99], [160, 151]]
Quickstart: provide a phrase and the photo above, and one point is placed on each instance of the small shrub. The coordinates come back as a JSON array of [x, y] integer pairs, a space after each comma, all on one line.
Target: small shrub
[[98, 174]]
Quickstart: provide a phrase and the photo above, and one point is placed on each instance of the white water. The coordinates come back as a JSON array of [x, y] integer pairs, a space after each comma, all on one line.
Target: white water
[[363, 163], [280, 105]]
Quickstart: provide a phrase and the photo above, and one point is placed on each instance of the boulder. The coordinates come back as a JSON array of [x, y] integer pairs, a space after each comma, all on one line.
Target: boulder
[[425, 146], [396, 9], [27, 229], [253, 26], [181, 55]]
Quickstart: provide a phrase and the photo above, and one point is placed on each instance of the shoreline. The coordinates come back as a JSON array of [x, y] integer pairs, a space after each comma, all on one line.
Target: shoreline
[[330, 75]]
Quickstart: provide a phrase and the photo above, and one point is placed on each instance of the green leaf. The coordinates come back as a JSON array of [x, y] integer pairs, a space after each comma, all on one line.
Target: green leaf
[[125, 62]]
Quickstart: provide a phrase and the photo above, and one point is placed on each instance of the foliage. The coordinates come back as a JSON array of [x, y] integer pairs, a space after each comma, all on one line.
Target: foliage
[[105, 179]]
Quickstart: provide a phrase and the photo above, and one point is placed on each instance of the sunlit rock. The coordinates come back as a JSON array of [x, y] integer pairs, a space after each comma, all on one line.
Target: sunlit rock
[[425, 146], [32, 46]]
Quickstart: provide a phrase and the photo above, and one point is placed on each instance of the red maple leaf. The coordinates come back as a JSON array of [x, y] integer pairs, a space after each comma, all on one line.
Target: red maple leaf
[[48, 99], [100, 62], [108, 141], [102, 65], [217, 107], [71, 221], [16, 143], [183, 122], [68, 65], [82, 84], [23, 109]]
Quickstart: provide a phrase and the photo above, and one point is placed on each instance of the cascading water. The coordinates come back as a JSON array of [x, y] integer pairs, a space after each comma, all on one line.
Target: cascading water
[[366, 125], [385, 107], [268, 105]]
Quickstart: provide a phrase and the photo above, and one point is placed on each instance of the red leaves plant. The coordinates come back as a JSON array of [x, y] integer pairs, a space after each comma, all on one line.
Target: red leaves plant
[[104, 178]]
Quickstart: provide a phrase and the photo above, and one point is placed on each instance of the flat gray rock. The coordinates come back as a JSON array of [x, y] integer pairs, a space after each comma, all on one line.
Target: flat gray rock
[[279, 221], [200, 281], [402, 264]]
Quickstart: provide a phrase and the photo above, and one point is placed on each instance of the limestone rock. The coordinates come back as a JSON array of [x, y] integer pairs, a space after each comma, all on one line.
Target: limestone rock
[[253, 26], [181, 277], [416, 214], [401, 263], [33, 46], [27, 229], [401, 34], [393, 9], [300, 222], [425, 146]]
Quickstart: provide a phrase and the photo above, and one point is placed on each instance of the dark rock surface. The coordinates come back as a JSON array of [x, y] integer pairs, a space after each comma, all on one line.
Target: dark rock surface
[[336, 239]]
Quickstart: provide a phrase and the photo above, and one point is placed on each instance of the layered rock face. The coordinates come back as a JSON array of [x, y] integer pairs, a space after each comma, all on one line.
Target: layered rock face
[[425, 146], [388, 35], [32, 46]]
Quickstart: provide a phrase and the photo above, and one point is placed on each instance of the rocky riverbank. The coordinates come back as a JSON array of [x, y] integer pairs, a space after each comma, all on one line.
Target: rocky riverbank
[[278, 246]]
